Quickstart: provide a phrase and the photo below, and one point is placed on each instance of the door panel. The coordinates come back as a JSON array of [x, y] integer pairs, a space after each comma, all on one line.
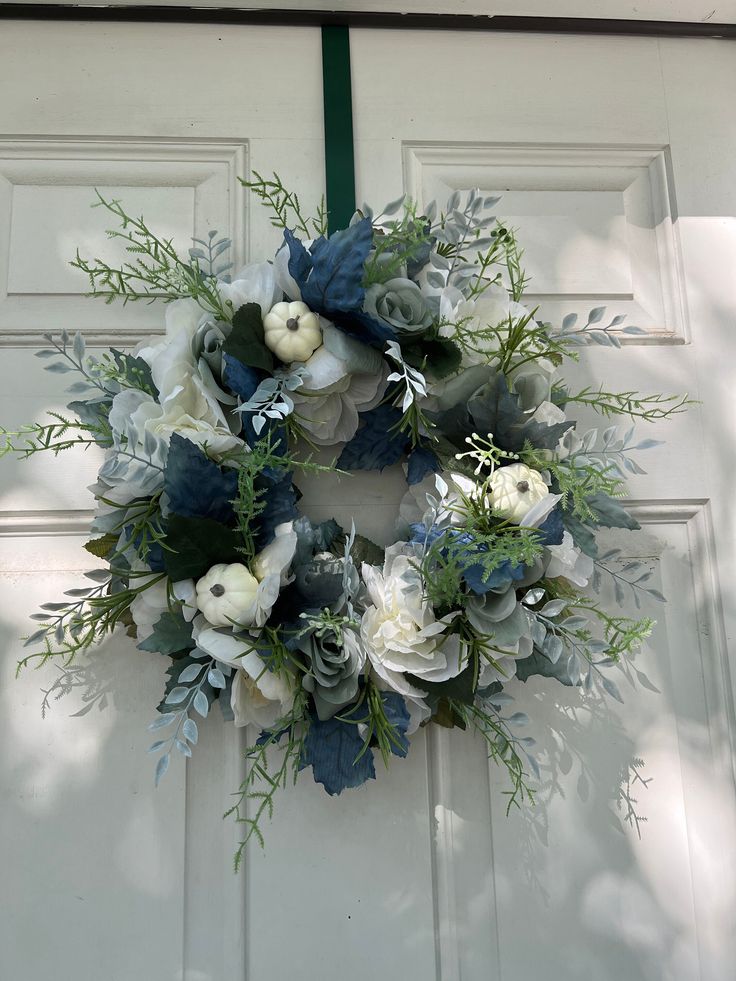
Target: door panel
[[103, 876], [619, 188]]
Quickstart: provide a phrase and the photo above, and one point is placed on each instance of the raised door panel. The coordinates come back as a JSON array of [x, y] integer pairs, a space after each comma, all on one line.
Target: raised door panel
[[596, 151], [105, 876]]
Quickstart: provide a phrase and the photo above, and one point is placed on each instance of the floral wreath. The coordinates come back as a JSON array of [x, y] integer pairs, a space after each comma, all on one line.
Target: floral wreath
[[403, 338]]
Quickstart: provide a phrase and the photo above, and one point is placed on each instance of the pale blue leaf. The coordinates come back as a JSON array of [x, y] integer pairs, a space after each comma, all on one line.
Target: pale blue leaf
[[190, 731], [161, 767], [216, 678], [201, 705]]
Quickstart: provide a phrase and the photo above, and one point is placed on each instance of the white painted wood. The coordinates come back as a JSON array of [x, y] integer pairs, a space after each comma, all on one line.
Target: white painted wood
[[103, 876], [602, 153], [621, 174]]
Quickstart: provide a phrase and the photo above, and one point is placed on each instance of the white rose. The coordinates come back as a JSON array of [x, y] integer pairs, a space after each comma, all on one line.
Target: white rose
[[253, 284], [189, 410], [399, 630], [173, 356]]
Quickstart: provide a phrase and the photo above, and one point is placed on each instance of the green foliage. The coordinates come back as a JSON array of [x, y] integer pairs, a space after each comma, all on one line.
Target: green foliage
[[576, 481], [265, 454], [263, 778], [446, 560], [156, 272], [502, 746], [650, 408], [57, 436], [370, 711], [396, 243], [126, 371], [196, 544], [91, 614], [171, 635], [245, 341], [285, 206]]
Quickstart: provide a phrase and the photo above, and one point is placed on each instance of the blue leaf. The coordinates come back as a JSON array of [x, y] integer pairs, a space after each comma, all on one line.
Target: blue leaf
[[330, 277], [552, 528], [335, 281], [331, 748], [195, 485], [279, 497], [300, 262], [364, 327], [239, 378], [397, 714], [374, 446], [502, 575], [422, 461]]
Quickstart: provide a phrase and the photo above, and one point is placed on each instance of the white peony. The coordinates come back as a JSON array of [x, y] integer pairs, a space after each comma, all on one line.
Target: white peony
[[255, 283], [399, 630], [258, 696], [190, 409], [331, 396], [569, 562]]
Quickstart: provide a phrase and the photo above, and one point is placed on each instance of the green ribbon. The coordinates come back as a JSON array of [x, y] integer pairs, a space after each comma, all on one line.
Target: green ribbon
[[338, 115]]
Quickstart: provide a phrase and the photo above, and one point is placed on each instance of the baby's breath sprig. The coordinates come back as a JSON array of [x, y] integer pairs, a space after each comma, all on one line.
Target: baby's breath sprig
[[485, 453]]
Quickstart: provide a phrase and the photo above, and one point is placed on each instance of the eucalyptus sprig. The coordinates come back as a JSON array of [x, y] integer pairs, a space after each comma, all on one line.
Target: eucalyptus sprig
[[91, 614]]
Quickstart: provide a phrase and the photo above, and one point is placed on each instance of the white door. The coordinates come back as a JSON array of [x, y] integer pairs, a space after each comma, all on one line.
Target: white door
[[103, 877], [615, 161], [618, 172]]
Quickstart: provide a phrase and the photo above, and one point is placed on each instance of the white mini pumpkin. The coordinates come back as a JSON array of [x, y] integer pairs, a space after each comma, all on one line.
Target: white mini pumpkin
[[292, 331], [227, 595], [515, 490]]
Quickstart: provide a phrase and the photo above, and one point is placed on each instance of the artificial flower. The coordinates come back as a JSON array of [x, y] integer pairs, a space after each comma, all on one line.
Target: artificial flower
[[399, 630]]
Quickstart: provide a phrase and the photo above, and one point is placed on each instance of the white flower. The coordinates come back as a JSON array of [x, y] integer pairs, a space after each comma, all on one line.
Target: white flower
[[190, 409], [491, 309], [548, 414], [274, 560], [568, 561], [148, 606], [172, 357], [258, 696], [331, 397], [515, 489], [399, 630], [255, 283]]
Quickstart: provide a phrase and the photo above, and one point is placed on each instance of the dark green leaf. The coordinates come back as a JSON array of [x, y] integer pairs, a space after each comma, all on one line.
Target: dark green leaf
[[245, 341], [198, 544]]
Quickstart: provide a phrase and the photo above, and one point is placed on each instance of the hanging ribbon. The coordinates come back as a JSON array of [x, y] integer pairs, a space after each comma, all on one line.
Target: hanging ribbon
[[338, 115]]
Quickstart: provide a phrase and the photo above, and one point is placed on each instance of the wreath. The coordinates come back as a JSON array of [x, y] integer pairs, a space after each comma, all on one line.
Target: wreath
[[402, 339]]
